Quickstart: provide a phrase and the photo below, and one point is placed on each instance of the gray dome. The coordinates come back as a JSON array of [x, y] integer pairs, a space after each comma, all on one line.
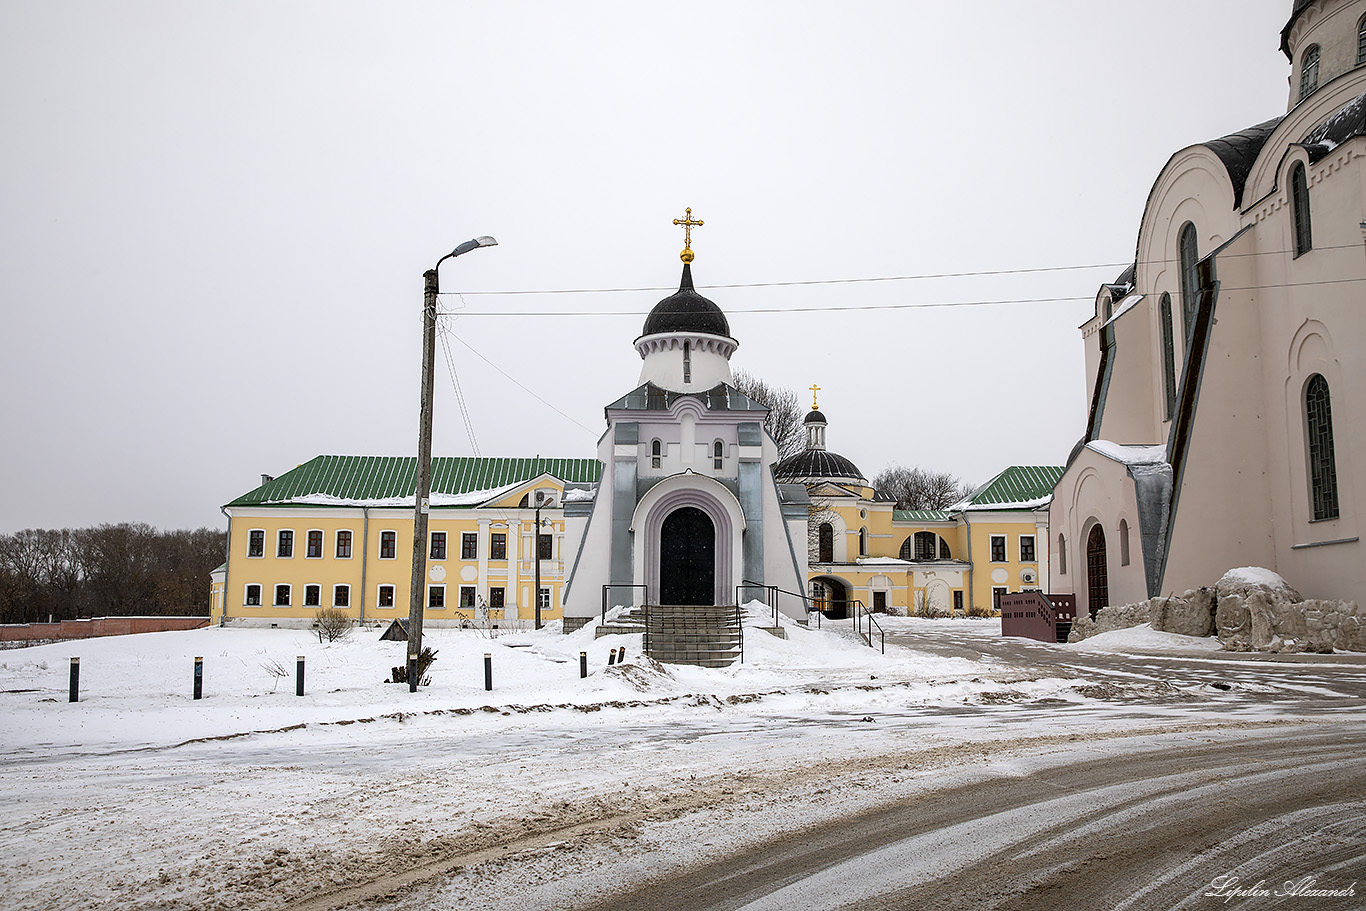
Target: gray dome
[[686, 311], [817, 463], [815, 417]]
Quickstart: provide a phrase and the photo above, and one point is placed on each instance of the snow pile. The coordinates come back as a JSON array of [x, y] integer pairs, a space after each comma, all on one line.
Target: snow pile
[[1128, 454], [1258, 576]]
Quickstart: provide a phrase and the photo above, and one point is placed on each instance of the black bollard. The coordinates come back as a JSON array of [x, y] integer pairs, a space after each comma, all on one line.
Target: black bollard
[[583, 664], [199, 678], [611, 657], [621, 655], [74, 695], [488, 671], [299, 677], [412, 672]]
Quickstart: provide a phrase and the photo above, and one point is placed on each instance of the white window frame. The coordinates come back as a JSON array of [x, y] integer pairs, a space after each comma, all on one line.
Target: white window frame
[[262, 554], [446, 544], [293, 543], [379, 596], [656, 453], [350, 547], [431, 587], [543, 598], [340, 587], [379, 553], [322, 543], [318, 586], [718, 455], [991, 548], [246, 595], [475, 536], [1034, 545], [275, 594], [474, 597]]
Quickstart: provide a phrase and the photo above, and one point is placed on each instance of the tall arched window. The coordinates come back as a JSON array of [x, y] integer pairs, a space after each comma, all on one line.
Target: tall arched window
[[1190, 280], [656, 453], [718, 455], [1123, 542], [1361, 42], [687, 363], [825, 544], [1062, 555], [1323, 474], [1097, 573], [1168, 355], [1299, 199], [863, 542], [1309, 71]]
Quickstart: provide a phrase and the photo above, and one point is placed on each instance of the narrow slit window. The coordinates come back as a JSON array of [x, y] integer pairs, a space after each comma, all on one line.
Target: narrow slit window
[[687, 363], [656, 453], [1299, 199], [1168, 356], [1309, 72], [1323, 476], [718, 455]]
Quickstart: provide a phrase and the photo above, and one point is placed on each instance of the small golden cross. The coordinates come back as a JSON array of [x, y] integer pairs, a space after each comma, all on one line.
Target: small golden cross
[[688, 223], [814, 390]]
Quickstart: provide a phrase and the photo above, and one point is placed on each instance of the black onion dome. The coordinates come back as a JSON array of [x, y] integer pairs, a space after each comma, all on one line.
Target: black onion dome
[[686, 311], [817, 463], [815, 417]]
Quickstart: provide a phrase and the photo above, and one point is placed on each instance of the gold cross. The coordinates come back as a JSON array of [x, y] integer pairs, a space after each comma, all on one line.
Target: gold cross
[[688, 223], [814, 390]]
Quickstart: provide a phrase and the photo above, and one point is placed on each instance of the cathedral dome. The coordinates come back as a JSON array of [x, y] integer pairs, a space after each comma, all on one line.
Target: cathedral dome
[[686, 311], [815, 417], [817, 463]]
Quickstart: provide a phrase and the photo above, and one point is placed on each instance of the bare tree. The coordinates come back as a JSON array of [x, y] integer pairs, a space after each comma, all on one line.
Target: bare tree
[[919, 488], [786, 421]]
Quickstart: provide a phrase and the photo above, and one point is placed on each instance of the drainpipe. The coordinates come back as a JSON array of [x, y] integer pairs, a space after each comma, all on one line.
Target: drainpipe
[[972, 563], [364, 555], [227, 567]]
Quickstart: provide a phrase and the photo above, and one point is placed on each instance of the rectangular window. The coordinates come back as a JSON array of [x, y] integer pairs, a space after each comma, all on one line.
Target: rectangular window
[[388, 544], [543, 599], [996, 594], [253, 596], [343, 545], [256, 543], [341, 596], [386, 596], [497, 598], [284, 546], [312, 595], [467, 596], [436, 597], [315, 545], [438, 545], [544, 545], [1027, 549], [958, 602], [469, 546], [498, 546], [998, 548], [282, 596]]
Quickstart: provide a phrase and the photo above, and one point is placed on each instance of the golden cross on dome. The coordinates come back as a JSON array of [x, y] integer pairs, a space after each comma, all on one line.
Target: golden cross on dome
[[814, 390], [688, 223]]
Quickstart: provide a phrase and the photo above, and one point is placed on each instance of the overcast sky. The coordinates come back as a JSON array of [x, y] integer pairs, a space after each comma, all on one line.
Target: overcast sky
[[216, 217]]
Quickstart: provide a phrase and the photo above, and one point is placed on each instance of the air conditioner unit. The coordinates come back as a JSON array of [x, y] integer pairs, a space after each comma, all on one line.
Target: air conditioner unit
[[1029, 577]]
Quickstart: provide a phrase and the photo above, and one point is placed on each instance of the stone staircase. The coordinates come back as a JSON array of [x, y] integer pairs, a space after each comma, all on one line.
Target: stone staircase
[[632, 621], [699, 635]]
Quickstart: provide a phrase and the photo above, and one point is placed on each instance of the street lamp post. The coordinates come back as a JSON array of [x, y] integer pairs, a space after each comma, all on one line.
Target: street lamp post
[[539, 504], [417, 601]]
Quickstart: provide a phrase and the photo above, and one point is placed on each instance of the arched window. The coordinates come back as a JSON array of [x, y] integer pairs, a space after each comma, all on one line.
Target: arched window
[[1309, 71], [1299, 198], [863, 542], [944, 552], [718, 455], [826, 544], [1190, 280], [908, 548], [687, 363], [1097, 573], [1109, 307], [1123, 542], [1361, 42], [1168, 355], [656, 453], [1323, 474], [1062, 555]]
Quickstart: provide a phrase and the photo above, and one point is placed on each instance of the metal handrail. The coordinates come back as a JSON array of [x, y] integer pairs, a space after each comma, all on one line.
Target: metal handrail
[[773, 593], [862, 613], [609, 586], [740, 625]]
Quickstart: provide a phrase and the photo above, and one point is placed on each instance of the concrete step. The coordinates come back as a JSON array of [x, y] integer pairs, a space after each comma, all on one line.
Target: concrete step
[[619, 629]]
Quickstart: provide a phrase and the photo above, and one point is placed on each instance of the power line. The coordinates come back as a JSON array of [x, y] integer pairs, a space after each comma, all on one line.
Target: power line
[[520, 385]]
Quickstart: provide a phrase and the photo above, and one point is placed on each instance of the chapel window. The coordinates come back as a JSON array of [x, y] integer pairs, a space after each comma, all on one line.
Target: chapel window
[[1309, 71], [1168, 356], [1299, 198], [1361, 42], [656, 453], [826, 544], [1123, 542], [1062, 555], [863, 542], [687, 363], [1323, 477], [718, 455], [1190, 279]]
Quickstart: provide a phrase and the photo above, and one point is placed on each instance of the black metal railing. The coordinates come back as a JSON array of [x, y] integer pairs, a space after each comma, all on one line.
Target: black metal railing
[[772, 594], [607, 588], [864, 624]]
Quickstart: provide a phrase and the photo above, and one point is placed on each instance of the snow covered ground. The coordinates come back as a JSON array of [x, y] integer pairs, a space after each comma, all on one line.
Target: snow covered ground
[[140, 797]]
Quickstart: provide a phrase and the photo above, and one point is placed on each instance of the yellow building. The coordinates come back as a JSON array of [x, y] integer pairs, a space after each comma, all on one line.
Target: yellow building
[[337, 531], [929, 562]]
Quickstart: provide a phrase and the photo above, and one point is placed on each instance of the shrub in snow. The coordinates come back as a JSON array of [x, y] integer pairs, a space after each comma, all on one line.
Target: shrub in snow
[[424, 661], [331, 624]]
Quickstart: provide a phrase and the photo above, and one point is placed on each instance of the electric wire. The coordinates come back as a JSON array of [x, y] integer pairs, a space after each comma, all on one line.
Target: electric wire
[[521, 385], [443, 334]]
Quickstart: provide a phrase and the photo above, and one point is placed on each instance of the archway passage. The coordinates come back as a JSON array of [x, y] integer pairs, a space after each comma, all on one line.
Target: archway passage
[[687, 558], [1097, 576], [830, 596]]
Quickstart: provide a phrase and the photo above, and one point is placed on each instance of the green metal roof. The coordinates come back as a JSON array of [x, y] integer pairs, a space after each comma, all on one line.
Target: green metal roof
[[331, 480], [920, 515], [1018, 487]]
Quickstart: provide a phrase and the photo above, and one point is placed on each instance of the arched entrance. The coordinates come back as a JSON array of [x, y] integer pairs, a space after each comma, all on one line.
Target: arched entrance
[[830, 596], [1097, 576], [687, 558]]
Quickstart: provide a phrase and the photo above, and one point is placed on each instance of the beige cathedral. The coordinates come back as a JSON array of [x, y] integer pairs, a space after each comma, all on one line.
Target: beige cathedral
[[1225, 369]]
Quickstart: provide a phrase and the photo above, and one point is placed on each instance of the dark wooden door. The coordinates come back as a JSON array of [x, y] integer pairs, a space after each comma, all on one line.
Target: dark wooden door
[[687, 558], [879, 602], [1097, 575]]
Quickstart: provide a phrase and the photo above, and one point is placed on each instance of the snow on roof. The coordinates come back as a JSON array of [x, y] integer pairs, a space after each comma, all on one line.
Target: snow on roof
[[578, 495], [437, 498], [1127, 454], [1256, 575], [1124, 306]]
